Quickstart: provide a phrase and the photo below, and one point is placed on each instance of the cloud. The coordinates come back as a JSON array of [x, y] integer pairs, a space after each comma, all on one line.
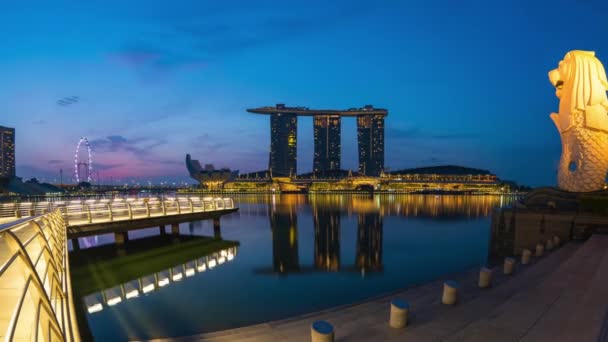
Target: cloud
[[105, 167], [117, 143], [416, 133], [40, 122], [154, 63], [208, 144], [55, 161], [214, 32], [68, 101], [455, 136]]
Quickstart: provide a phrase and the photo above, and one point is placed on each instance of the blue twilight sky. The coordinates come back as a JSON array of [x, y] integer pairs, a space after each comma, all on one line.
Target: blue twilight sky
[[465, 82]]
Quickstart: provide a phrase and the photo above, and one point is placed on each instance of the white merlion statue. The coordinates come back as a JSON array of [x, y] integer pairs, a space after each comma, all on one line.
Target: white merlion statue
[[582, 121]]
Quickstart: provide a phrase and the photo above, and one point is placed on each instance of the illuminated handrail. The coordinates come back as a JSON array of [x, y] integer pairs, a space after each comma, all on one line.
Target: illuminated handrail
[[78, 212], [35, 281]]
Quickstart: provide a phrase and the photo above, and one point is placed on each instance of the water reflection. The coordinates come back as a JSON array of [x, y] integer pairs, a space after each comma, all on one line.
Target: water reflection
[[284, 227], [327, 238], [429, 206], [102, 279], [369, 242], [297, 254]]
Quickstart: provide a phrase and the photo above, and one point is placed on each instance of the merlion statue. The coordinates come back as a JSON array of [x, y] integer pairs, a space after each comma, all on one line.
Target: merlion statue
[[582, 121]]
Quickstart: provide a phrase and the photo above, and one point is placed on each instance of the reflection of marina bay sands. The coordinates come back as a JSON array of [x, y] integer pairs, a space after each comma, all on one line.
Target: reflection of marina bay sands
[[284, 226], [327, 135]]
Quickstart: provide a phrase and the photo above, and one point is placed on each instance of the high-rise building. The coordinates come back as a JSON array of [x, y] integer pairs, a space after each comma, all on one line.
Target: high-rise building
[[370, 133], [7, 152], [327, 130], [283, 144], [327, 142]]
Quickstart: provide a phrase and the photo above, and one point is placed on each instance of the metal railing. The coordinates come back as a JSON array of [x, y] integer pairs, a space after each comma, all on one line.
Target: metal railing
[[79, 212], [35, 283]]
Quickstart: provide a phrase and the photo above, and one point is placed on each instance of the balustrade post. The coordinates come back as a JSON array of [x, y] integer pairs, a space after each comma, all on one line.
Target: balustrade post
[[110, 215], [179, 207], [191, 205], [89, 216], [148, 209], [130, 211], [164, 207]]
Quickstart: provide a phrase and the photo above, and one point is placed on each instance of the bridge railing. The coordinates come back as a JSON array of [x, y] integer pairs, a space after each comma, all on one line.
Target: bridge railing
[[104, 210], [35, 285]]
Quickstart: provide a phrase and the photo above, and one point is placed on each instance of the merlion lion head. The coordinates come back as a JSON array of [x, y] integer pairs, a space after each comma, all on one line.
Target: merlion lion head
[[582, 121], [580, 82]]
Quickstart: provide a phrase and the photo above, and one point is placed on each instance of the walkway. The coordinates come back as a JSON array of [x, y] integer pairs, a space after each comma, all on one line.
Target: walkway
[[560, 297]]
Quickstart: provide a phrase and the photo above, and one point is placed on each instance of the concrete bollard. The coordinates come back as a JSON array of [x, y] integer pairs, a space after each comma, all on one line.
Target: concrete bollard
[[485, 277], [556, 241], [549, 245], [321, 331], [509, 265], [399, 312], [450, 292], [540, 249], [526, 254]]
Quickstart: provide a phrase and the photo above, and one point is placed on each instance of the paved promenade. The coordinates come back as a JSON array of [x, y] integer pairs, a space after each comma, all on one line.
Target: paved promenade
[[561, 296]]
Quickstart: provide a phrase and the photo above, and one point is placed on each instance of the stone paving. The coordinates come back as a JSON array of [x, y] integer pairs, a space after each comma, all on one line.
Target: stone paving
[[561, 296]]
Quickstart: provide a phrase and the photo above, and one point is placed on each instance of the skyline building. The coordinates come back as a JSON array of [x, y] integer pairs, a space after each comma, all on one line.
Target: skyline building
[[370, 134], [7, 152], [328, 148], [283, 144], [282, 159]]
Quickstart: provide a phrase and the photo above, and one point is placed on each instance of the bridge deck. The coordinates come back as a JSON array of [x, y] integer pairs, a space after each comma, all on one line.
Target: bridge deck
[[82, 228], [561, 296]]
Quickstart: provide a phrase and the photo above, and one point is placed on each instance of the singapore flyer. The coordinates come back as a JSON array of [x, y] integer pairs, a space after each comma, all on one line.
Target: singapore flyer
[[83, 169]]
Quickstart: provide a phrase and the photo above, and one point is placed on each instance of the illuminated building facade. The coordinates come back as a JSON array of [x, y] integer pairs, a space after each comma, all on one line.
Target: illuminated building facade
[[283, 144], [370, 134], [7, 152], [327, 151], [327, 142]]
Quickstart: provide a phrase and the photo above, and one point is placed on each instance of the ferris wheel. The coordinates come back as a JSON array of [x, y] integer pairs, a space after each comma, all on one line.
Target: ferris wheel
[[83, 169]]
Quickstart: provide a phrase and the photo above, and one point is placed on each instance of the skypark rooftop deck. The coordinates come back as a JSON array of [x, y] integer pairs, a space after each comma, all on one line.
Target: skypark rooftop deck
[[305, 111]]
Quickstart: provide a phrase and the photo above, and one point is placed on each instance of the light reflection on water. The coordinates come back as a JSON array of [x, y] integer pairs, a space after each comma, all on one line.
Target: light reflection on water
[[299, 254]]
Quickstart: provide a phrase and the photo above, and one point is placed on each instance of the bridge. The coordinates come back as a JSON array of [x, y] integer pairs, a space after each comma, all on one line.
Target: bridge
[[102, 216], [35, 285]]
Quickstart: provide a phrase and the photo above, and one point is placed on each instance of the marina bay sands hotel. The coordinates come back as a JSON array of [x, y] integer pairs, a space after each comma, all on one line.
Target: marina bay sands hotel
[[327, 135]]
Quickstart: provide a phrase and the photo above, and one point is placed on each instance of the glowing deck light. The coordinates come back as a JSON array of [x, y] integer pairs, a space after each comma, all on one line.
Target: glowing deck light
[[178, 276], [221, 260], [148, 288], [223, 253], [212, 263], [202, 268], [190, 272], [230, 256], [163, 282], [114, 301], [94, 308], [132, 294]]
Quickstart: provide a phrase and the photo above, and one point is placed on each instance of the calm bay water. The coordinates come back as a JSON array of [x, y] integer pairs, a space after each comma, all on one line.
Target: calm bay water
[[299, 254]]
